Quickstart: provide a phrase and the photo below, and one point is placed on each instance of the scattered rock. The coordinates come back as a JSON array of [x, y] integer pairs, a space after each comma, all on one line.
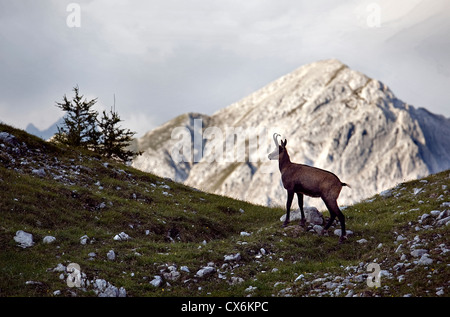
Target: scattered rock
[[386, 193], [39, 172], [24, 239], [205, 271], [250, 289], [84, 239], [399, 266], [184, 268], [318, 229], [236, 280], [8, 138], [312, 216], [33, 283], [59, 268], [418, 252], [157, 281], [298, 278], [106, 289], [172, 276], [386, 274], [423, 217], [102, 205], [121, 237], [446, 204], [400, 238], [111, 255], [48, 239], [232, 257], [435, 213], [338, 232], [443, 221], [101, 287], [330, 285], [100, 284], [425, 260], [444, 214], [170, 273]]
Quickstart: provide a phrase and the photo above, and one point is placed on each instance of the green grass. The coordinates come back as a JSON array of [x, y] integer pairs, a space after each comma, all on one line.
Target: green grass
[[185, 227]]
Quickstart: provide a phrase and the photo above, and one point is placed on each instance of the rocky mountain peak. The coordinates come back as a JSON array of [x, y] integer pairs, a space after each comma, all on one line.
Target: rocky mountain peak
[[333, 117]]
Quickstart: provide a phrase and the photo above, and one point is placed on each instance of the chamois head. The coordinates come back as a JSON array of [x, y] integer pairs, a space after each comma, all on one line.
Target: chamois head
[[280, 148]]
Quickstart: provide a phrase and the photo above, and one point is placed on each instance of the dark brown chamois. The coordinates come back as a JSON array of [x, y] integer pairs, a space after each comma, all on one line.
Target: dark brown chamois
[[306, 180]]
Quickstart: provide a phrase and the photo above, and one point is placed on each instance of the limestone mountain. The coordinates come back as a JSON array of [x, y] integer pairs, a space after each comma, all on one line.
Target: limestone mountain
[[333, 117]]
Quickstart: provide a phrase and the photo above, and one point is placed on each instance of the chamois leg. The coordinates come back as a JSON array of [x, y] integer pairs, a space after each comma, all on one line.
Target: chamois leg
[[330, 221], [300, 204], [288, 207], [335, 211], [343, 232]]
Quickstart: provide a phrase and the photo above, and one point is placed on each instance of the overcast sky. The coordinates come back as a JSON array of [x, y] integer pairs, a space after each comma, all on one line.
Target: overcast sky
[[161, 58]]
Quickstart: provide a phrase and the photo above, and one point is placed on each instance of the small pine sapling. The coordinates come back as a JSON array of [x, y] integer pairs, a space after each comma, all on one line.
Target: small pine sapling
[[80, 122], [115, 140]]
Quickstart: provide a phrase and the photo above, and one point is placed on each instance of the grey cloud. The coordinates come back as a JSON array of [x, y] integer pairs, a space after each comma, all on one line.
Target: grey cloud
[[163, 58]]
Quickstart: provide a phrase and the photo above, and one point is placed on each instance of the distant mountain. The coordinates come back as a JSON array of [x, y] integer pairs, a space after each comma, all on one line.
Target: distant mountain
[[333, 117], [44, 134]]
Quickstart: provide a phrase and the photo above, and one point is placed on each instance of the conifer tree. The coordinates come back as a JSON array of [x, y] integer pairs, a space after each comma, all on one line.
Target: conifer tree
[[115, 140], [80, 122]]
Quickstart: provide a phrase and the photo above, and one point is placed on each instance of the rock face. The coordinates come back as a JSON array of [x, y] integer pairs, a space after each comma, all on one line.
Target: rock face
[[333, 117]]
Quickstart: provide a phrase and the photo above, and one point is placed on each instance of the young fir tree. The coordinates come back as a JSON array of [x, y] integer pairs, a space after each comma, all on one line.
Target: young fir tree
[[80, 122], [115, 140]]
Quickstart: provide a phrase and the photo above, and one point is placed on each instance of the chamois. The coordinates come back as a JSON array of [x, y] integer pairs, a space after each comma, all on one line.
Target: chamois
[[307, 180]]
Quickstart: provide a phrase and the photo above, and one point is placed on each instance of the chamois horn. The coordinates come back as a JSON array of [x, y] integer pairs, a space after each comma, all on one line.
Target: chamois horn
[[275, 136]]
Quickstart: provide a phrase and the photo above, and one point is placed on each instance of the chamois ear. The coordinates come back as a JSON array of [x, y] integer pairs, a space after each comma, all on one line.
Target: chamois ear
[[283, 143]]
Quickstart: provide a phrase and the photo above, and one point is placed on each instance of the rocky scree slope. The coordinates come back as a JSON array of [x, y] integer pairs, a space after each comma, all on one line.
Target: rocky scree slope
[[134, 234]]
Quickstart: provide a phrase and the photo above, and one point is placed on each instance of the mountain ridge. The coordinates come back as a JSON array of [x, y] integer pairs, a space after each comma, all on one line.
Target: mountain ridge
[[44, 134]]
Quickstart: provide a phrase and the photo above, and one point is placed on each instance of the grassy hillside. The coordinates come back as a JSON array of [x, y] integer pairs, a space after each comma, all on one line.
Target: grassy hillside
[[174, 232]]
